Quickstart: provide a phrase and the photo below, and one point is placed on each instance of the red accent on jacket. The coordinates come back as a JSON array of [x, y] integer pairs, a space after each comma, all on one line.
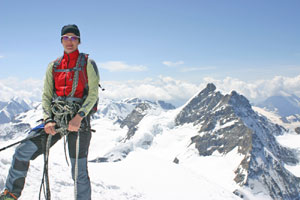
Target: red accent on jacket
[[64, 80]]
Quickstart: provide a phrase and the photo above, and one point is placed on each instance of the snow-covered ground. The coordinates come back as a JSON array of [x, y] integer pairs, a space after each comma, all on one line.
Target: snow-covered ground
[[291, 140], [146, 174]]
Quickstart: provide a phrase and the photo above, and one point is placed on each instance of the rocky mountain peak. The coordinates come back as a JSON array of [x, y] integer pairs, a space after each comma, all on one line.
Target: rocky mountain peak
[[205, 101], [238, 100], [210, 87], [227, 122]]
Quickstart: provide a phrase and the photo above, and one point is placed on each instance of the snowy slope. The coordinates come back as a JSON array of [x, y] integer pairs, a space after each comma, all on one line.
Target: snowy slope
[[167, 142], [286, 106], [276, 118], [146, 174]]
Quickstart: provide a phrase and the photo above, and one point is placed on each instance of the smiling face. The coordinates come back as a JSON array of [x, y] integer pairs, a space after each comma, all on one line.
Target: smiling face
[[69, 44]]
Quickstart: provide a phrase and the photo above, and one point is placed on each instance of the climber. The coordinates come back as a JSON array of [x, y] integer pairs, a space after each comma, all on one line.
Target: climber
[[69, 97]]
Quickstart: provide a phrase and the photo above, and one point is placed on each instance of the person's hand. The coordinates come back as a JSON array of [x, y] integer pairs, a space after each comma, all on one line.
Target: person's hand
[[75, 123], [50, 128]]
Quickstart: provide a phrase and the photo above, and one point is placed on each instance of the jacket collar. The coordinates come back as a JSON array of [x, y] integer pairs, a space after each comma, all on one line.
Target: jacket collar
[[71, 56]]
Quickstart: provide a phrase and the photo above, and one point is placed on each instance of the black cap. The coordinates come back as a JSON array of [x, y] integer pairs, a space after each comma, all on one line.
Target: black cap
[[71, 28]]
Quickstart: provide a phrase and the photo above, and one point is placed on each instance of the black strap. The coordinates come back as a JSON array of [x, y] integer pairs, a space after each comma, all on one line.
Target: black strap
[[57, 61], [68, 70]]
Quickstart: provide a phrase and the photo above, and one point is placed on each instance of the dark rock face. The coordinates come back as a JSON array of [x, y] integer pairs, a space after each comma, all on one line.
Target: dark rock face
[[195, 110], [228, 122], [165, 106], [134, 118]]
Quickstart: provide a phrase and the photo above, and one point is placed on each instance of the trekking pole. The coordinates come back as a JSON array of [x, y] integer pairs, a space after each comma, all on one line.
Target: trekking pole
[[28, 138]]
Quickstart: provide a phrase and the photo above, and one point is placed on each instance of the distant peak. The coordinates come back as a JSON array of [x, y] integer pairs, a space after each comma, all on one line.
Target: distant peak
[[238, 100], [133, 100], [235, 95], [210, 87]]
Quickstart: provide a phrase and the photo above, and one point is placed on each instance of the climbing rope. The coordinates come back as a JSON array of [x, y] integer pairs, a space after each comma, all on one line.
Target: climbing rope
[[63, 111], [76, 166]]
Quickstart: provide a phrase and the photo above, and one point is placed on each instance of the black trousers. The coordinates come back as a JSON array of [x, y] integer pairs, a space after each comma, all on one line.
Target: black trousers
[[32, 148]]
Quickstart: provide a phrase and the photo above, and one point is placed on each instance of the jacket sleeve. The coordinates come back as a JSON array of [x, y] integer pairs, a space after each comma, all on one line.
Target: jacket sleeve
[[93, 84], [48, 93]]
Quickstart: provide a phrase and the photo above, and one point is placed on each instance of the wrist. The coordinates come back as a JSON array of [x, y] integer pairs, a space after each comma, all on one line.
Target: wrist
[[81, 114], [49, 120]]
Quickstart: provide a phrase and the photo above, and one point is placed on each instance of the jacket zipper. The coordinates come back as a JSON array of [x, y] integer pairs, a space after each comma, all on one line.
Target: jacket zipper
[[66, 75]]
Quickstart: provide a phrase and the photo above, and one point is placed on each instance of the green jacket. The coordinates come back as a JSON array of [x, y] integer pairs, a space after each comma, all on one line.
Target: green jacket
[[91, 99]]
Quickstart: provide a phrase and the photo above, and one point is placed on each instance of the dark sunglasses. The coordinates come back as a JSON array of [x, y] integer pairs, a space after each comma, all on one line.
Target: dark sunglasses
[[69, 37]]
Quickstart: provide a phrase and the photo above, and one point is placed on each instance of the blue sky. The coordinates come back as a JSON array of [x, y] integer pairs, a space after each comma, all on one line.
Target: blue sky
[[186, 40], [236, 38]]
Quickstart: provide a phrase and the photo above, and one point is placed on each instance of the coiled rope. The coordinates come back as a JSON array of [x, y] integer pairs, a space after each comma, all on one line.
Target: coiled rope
[[63, 111]]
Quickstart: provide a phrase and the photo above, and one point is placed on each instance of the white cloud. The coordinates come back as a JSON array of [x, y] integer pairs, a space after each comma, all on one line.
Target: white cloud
[[160, 88], [26, 89], [193, 69], [260, 89], [172, 64], [114, 66], [163, 88], [1, 56]]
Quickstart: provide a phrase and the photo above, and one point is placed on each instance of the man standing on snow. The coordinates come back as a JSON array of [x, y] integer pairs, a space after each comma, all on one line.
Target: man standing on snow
[[71, 83]]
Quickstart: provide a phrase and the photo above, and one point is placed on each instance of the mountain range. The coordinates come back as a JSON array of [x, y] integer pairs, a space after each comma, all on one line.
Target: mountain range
[[8, 110], [228, 122], [287, 106], [215, 141]]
